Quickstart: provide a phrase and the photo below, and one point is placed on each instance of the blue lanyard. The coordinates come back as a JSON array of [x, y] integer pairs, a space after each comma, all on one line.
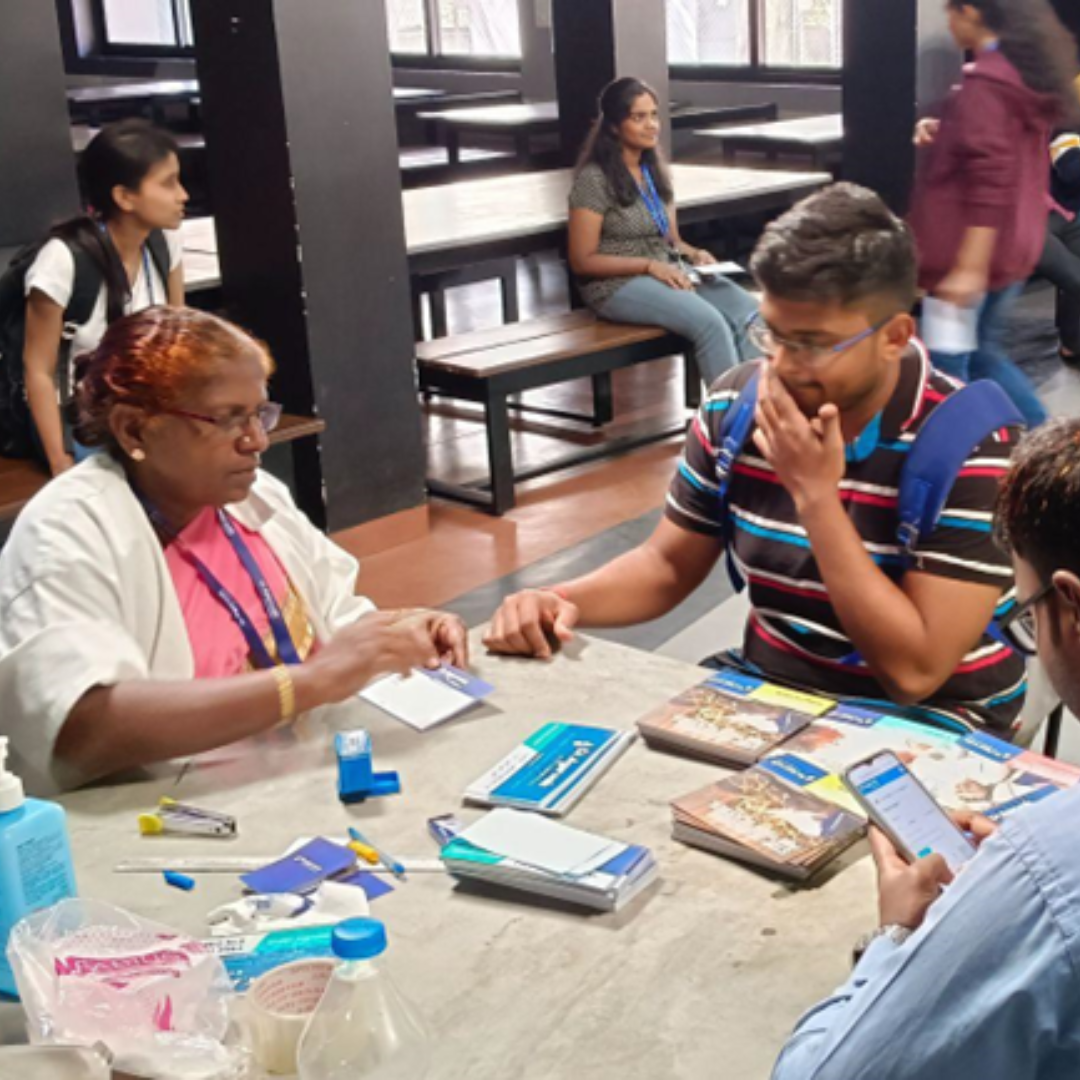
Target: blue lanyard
[[146, 275], [286, 648], [655, 205]]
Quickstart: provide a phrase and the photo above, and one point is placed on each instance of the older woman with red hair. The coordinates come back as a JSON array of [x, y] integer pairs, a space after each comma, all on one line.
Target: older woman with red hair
[[166, 597]]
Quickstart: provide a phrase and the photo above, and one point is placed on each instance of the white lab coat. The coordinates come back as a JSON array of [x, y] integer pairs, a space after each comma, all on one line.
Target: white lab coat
[[86, 599]]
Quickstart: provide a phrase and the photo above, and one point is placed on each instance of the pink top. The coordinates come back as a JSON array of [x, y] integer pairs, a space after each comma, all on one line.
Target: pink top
[[217, 643]]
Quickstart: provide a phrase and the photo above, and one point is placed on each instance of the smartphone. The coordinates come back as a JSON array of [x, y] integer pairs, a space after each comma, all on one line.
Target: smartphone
[[905, 811]]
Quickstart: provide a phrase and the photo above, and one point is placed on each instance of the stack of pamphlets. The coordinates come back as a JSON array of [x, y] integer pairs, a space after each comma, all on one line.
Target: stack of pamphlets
[[731, 718], [552, 769], [791, 812], [532, 854], [756, 817]]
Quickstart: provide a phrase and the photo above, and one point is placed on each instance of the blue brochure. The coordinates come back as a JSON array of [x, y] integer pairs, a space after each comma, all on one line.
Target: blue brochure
[[552, 769]]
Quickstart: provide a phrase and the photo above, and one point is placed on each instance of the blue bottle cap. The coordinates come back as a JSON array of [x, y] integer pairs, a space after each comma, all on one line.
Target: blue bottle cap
[[359, 939]]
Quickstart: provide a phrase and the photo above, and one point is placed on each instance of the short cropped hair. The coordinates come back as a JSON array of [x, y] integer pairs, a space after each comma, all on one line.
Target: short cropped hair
[[151, 360], [1038, 512], [842, 245]]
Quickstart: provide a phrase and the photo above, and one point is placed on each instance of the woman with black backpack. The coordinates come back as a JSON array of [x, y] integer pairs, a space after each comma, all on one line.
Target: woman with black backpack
[[119, 257]]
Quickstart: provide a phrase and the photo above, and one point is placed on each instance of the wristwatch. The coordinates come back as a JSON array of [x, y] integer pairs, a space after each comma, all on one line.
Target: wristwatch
[[896, 933]]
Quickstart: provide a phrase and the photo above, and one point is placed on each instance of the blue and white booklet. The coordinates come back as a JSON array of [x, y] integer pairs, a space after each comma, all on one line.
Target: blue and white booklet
[[527, 853], [552, 769], [424, 699]]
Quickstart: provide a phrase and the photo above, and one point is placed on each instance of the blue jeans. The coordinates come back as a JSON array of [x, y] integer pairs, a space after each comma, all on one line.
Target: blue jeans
[[989, 361], [711, 318]]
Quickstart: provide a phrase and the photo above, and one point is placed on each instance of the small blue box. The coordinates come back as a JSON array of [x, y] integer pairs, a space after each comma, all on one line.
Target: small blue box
[[356, 779]]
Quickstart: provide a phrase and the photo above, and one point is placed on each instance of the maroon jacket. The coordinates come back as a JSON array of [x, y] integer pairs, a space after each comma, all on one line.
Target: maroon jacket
[[987, 167]]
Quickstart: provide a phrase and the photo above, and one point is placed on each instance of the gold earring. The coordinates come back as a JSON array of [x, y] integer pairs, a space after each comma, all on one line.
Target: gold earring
[[138, 454]]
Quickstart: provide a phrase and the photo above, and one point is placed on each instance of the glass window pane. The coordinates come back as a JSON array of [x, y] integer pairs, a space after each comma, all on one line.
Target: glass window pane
[[408, 26], [187, 32], [802, 33], [479, 28], [139, 22], [708, 32]]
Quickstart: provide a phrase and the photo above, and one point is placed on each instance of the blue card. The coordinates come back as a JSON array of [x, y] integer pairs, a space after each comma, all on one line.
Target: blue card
[[305, 869]]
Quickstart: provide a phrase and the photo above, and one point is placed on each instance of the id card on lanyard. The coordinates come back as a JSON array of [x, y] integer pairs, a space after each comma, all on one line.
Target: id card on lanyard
[[286, 647], [658, 212]]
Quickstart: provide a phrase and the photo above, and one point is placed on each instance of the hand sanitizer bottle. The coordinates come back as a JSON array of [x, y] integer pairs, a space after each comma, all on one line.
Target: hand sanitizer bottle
[[35, 859]]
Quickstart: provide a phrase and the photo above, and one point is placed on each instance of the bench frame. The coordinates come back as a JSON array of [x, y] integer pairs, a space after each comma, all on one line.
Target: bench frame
[[493, 391]]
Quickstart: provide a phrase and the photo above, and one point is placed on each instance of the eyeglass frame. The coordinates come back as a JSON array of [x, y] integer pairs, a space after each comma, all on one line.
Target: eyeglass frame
[[1008, 623], [756, 325], [223, 424]]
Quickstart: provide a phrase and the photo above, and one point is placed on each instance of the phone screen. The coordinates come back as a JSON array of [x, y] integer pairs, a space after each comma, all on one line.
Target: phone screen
[[903, 807]]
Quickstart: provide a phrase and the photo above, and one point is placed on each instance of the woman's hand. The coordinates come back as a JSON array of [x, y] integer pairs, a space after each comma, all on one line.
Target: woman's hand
[[963, 287], [701, 257], [926, 131], [382, 643], [669, 275]]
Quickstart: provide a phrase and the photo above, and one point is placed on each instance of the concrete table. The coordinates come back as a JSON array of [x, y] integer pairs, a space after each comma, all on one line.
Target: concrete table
[[820, 137], [523, 122], [94, 102], [703, 975]]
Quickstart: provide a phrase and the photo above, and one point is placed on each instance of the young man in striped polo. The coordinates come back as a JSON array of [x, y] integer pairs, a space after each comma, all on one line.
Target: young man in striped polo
[[811, 518]]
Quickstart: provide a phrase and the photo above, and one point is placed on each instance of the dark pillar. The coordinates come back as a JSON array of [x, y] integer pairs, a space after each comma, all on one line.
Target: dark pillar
[[37, 164], [303, 166], [899, 63], [600, 40]]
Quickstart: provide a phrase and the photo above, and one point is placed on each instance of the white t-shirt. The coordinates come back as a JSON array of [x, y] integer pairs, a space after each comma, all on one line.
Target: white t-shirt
[[53, 273]]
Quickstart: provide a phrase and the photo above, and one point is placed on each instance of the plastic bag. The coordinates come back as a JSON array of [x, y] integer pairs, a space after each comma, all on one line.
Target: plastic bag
[[88, 972]]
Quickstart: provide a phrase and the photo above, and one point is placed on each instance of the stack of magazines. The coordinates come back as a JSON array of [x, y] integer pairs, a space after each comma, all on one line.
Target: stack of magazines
[[532, 854]]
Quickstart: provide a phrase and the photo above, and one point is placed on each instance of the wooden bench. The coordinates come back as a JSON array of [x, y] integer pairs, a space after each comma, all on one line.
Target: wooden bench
[[21, 480], [488, 366]]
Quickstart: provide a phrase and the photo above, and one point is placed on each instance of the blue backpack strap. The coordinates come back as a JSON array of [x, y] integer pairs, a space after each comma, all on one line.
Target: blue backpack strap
[[734, 431], [945, 441]]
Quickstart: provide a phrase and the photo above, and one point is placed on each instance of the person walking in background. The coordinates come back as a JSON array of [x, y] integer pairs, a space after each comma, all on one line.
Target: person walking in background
[[982, 196], [1060, 262]]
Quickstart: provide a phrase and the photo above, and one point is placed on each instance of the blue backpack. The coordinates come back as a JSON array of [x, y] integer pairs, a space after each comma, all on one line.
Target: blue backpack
[[944, 443]]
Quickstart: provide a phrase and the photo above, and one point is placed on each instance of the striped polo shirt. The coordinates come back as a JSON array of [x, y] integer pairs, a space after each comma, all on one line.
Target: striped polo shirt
[[793, 634]]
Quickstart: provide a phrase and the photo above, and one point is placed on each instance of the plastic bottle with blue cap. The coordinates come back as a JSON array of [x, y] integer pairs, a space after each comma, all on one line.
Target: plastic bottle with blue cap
[[363, 1029], [35, 859]]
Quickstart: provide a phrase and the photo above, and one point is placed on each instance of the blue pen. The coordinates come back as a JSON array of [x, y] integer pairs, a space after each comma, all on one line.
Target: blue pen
[[390, 863], [179, 881]]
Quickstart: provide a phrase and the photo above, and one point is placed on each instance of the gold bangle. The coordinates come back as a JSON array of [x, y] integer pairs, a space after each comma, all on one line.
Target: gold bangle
[[286, 690]]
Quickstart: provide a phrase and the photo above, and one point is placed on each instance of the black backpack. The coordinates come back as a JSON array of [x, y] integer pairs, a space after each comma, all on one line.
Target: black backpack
[[17, 436]]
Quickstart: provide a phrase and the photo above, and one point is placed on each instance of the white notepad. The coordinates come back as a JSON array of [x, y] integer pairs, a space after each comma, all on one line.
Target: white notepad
[[540, 842], [420, 700]]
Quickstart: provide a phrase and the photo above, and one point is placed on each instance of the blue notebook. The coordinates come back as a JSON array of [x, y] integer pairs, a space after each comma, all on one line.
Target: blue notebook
[[552, 769]]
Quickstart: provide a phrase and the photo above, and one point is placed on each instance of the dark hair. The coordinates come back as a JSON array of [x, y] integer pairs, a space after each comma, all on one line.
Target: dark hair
[[1038, 511], [121, 154], [1036, 42], [604, 148], [841, 245], [151, 360]]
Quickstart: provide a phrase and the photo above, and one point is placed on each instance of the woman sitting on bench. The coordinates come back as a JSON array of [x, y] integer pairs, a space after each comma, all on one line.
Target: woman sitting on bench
[[166, 597], [625, 249]]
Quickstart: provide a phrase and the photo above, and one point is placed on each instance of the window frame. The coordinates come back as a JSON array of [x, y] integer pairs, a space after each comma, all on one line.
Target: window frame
[[436, 60], [756, 71], [108, 48]]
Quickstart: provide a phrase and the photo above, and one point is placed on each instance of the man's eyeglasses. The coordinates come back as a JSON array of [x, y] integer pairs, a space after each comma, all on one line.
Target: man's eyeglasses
[[266, 416], [762, 336], [1019, 625]]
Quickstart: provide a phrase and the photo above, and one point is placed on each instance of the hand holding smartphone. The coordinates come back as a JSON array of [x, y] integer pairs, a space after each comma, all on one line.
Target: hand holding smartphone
[[905, 811]]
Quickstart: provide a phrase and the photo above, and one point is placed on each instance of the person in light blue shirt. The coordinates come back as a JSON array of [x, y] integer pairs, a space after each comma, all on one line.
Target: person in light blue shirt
[[982, 982]]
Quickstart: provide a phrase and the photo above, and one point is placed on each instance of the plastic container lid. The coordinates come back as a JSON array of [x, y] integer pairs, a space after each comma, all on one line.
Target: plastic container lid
[[359, 939]]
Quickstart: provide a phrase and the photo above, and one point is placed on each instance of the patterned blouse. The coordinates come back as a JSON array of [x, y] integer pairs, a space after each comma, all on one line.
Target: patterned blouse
[[628, 232]]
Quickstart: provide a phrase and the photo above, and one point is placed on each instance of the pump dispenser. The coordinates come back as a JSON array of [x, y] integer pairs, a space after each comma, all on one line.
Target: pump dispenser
[[35, 859]]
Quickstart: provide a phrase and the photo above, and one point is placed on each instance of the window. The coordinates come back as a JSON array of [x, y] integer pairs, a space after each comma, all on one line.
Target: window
[[408, 26], [454, 28], [154, 24], [756, 34]]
